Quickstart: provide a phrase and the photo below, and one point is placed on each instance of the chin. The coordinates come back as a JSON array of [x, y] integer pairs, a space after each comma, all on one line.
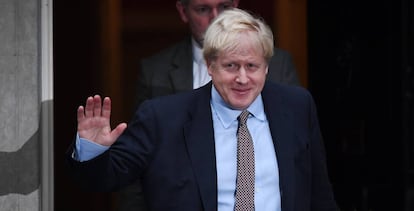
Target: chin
[[240, 106]]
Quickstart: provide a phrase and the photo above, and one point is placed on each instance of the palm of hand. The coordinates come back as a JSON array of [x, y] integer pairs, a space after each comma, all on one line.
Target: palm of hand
[[96, 129], [94, 122]]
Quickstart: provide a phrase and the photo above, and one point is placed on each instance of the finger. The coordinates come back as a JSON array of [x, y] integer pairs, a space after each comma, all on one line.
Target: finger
[[97, 105], [106, 108], [89, 107], [81, 113]]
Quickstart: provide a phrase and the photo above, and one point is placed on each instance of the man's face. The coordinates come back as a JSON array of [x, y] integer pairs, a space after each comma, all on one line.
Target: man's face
[[199, 14], [239, 75]]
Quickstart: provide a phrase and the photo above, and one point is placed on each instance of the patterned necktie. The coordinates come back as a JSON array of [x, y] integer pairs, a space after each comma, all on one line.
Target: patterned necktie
[[245, 167]]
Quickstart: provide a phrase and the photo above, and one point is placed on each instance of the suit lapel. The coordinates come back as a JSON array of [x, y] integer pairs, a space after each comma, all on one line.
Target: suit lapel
[[199, 136], [181, 74], [281, 127]]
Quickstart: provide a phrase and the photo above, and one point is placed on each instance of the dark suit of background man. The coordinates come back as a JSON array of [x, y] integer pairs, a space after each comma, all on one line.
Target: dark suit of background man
[[183, 146], [181, 68]]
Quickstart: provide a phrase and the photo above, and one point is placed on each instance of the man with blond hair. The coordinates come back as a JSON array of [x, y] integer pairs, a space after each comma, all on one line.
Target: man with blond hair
[[185, 148]]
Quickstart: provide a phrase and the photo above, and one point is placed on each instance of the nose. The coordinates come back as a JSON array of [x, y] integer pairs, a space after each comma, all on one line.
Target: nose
[[214, 13], [242, 76]]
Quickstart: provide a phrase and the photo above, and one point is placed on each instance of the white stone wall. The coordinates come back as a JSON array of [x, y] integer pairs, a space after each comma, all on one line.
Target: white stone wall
[[20, 105]]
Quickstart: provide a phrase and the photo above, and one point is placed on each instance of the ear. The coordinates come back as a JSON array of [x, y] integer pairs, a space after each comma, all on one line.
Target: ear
[[209, 66], [236, 3], [182, 11]]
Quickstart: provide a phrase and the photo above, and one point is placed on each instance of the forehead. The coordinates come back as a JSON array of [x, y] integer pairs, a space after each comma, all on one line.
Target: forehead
[[242, 55], [243, 42], [209, 2]]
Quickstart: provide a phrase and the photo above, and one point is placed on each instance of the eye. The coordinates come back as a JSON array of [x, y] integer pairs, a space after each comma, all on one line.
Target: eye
[[231, 67], [223, 7], [203, 10], [252, 67]]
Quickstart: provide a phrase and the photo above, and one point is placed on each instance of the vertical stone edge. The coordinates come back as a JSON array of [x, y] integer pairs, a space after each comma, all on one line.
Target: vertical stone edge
[[46, 117]]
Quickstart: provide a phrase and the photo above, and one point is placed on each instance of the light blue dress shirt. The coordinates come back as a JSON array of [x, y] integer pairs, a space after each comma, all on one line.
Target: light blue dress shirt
[[267, 192]]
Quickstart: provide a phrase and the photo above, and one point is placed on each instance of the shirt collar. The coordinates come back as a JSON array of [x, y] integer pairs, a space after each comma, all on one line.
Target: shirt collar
[[227, 115], [197, 52]]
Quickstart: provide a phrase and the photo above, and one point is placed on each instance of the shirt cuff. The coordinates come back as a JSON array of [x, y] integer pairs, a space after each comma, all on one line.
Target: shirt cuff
[[87, 150]]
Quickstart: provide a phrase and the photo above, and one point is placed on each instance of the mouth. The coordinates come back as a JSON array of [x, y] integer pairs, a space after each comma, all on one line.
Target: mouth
[[241, 91]]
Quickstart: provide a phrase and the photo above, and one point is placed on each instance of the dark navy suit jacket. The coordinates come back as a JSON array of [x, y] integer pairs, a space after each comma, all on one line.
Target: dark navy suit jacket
[[170, 145]]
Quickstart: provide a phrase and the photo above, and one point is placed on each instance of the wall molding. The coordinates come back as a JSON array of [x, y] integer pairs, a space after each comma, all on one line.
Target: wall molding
[[46, 118]]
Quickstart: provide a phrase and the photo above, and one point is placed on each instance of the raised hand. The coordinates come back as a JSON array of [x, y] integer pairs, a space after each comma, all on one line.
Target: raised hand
[[94, 121]]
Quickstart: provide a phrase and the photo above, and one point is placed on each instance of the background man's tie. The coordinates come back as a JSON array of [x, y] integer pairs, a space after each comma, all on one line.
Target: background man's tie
[[245, 166]]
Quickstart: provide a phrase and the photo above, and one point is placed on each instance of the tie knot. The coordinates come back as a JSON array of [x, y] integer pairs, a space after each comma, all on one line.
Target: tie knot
[[243, 116]]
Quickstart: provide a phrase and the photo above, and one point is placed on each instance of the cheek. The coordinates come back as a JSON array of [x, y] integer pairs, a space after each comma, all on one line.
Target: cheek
[[202, 24], [260, 77], [221, 79], [227, 80]]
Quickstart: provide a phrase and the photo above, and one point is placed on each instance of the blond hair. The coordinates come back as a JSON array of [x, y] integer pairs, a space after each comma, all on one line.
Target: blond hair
[[223, 33]]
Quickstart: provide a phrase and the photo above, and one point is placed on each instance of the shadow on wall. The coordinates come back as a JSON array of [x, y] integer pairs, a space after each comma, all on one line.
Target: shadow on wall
[[20, 169]]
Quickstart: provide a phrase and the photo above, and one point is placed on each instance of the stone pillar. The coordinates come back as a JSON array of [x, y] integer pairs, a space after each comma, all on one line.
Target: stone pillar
[[24, 108]]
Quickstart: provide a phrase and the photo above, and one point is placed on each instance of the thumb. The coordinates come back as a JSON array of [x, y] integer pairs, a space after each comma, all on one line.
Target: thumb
[[118, 131]]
